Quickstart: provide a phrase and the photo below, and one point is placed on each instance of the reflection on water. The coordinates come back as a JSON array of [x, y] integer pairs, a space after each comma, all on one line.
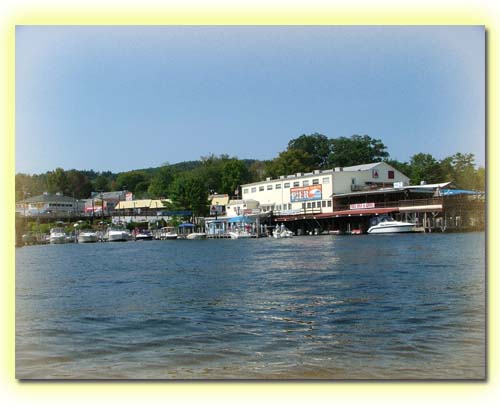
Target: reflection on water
[[396, 306]]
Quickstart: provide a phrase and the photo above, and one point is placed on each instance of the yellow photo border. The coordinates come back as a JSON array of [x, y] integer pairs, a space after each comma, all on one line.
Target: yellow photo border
[[381, 12]]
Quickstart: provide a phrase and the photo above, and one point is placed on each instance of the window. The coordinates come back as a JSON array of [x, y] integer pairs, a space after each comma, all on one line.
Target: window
[[290, 206], [254, 189], [278, 207], [296, 184], [318, 204], [287, 185], [326, 180], [323, 203], [353, 181], [308, 205], [304, 206], [269, 186], [390, 174], [245, 191], [305, 183], [261, 188], [313, 205], [329, 203], [277, 186], [315, 181]]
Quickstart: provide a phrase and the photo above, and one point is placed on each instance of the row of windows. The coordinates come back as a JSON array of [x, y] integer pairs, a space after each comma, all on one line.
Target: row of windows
[[305, 183], [60, 205], [317, 204]]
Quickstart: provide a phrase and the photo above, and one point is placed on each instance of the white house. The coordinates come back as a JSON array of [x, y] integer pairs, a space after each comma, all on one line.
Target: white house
[[313, 191]]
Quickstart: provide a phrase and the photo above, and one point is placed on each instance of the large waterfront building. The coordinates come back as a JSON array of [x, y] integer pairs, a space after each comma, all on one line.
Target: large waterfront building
[[313, 192], [49, 204]]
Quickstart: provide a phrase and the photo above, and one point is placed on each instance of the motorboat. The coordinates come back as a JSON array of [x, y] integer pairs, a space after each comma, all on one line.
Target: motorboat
[[58, 236], [282, 232], [197, 235], [143, 235], [387, 225], [87, 236], [117, 234], [168, 233], [239, 233]]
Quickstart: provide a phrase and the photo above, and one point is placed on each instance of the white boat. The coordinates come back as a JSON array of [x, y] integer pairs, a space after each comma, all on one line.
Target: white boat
[[282, 232], [386, 225], [87, 236], [58, 236], [239, 233], [168, 233], [197, 235], [143, 235], [117, 234]]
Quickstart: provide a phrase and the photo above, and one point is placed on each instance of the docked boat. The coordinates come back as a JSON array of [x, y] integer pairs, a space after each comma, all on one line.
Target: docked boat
[[117, 234], [168, 233], [239, 233], [387, 225], [143, 235], [87, 237], [197, 235], [58, 236], [282, 232]]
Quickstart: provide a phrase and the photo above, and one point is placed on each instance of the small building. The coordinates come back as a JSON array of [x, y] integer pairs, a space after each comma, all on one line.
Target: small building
[[104, 201], [242, 207], [312, 192], [49, 204], [146, 210]]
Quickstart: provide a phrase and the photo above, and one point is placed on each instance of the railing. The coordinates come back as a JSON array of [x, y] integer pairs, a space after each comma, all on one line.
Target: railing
[[400, 203]]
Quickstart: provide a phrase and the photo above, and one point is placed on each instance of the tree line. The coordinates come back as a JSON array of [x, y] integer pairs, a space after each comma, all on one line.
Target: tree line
[[188, 184]]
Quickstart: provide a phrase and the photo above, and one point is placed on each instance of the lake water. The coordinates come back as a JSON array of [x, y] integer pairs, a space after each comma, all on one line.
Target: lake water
[[401, 306]]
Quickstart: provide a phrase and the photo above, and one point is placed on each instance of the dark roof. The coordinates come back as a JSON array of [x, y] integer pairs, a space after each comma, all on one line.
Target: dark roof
[[49, 198]]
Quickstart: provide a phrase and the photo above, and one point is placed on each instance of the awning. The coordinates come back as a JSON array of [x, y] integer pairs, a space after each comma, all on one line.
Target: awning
[[186, 225], [240, 218]]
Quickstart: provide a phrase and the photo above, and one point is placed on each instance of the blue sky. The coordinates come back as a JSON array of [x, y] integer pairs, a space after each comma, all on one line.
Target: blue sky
[[122, 98]]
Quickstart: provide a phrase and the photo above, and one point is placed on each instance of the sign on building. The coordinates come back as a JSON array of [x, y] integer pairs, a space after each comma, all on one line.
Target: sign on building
[[129, 197], [215, 209], [361, 206], [309, 193]]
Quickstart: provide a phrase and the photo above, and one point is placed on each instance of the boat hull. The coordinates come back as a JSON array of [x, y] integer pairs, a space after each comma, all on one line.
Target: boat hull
[[85, 239], [391, 229], [197, 235], [118, 237]]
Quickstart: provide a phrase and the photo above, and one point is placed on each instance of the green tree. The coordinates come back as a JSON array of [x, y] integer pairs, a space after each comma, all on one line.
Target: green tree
[[189, 191], [101, 183], [79, 184], [424, 167], [234, 173], [317, 149], [460, 169], [288, 162], [160, 183], [135, 181], [58, 182], [354, 150]]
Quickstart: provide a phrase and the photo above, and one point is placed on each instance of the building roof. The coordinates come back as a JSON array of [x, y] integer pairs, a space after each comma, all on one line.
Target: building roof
[[361, 167], [219, 199], [50, 198], [124, 205], [108, 194]]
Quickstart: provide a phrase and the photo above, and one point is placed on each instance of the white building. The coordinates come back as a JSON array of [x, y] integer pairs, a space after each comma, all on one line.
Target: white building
[[313, 191]]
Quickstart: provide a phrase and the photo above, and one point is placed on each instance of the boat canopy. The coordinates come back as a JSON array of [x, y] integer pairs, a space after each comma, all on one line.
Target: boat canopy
[[186, 225], [240, 218], [460, 192]]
